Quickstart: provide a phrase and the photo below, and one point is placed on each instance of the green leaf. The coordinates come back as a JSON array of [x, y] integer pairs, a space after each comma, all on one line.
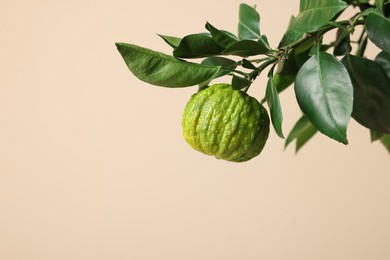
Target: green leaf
[[282, 82], [274, 106], [163, 70], [239, 83], [379, 4], [302, 131], [383, 58], [313, 15], [172, 41], [342, 44], [248, 65], [371, 93], [245, 48], [385, 140], [325, 94], [264, 42], [220, 37], [249, 23], [197, 46], [375, 136], [378, 29], [227, 66], [220, 61]]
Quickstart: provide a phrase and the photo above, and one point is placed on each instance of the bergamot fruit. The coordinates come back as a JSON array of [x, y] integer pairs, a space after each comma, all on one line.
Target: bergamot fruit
[[226, 123]]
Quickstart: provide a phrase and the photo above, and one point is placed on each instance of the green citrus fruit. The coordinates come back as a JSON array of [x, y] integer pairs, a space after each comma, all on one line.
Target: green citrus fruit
[[226, 123]]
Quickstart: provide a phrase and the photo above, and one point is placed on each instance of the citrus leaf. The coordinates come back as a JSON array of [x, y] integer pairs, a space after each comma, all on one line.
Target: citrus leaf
[[383, 58], [378, 29], [220, 37], [313, 15], [375, 136], [227, 66], [379, 4], [302, 131], [239, 83], [342, 44], [171, 40], [245, 48], [163, 70], [264, 42], [249, 23], [371, 93], [385, 140], [282, 82], [325, 94], [197, 46], [274, 107], [220, 61], [248, 65]]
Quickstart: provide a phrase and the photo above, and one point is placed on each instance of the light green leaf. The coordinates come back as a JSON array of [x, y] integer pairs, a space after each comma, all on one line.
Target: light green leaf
[[249, 23], [313, 15], [302, 131], [379, 4], [274, 107], [385, 140], [378, 29], [163, 70], [325, 94]]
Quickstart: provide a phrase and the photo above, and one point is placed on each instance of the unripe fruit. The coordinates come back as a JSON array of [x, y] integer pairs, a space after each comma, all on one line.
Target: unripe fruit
[[226, 123]]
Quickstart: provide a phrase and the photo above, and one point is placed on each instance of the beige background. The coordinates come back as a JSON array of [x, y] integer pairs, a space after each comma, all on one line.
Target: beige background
[[93, 165]]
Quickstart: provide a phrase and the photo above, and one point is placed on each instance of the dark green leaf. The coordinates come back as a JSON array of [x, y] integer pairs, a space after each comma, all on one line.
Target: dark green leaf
[[264, 42], [283, 81], [220, 37], [248, 65], [274, 107], [286, 73], [375, 136], [227, 66], [325, 94], [313, 15], [378, 29], [239, 83], [383, 59], [249, 23], [304, 51], [343, 43], [220, 61], [302, 131], [163, 70], [172, 41], [197, 46], [371, 93], [385, 140], [245, 48]]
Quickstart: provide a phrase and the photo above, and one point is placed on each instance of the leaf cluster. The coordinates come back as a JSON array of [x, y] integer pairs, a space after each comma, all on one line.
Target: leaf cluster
[[332, 81]]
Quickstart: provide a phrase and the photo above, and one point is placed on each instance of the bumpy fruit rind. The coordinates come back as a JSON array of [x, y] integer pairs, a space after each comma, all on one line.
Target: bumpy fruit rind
[[226, 123]]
